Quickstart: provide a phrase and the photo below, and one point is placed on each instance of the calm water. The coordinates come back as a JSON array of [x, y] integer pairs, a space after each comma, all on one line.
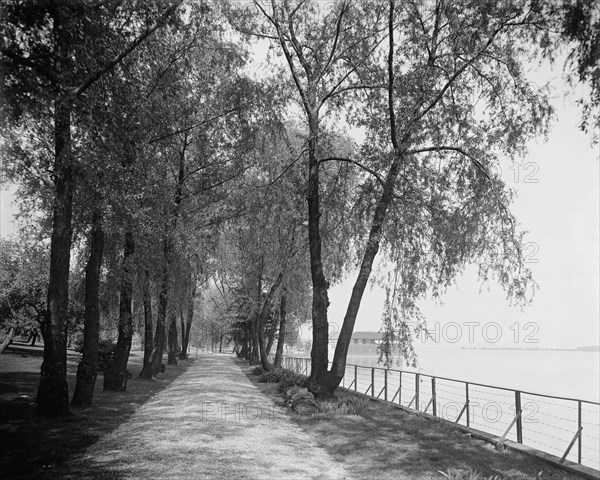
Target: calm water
[[570, 374]]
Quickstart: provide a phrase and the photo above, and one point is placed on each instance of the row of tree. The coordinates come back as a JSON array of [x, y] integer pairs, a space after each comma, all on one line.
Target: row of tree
[[145, 144]]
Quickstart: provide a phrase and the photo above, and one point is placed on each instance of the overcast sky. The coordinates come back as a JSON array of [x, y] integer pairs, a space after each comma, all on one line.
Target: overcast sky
[[558, 204]]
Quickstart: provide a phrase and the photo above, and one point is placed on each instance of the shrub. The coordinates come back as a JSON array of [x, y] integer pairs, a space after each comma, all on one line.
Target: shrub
[[257, 370], [274, 376], [106, 350], [290, 379]]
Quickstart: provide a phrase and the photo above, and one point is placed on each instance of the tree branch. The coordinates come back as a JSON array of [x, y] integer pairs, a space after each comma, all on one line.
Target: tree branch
[[108, 66], [358, 164]]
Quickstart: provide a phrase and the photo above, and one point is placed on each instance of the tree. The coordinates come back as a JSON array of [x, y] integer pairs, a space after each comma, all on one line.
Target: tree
[[22, 284], [53, 46], [441, 92]]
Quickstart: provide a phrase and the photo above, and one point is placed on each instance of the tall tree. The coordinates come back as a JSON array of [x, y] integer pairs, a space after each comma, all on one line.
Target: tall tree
[[429, 195], [53, 44]]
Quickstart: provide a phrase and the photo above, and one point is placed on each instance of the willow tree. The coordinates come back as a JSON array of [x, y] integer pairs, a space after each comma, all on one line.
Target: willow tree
[[440, 89]]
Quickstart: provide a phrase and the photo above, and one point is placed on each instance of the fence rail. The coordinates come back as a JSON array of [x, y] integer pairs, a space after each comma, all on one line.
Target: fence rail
[[562, 426]]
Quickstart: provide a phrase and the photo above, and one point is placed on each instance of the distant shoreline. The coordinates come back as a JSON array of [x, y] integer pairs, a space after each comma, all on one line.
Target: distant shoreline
[[589, 348]]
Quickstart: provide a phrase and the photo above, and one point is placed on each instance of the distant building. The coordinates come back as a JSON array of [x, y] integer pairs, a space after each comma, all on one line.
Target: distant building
[[362, 343]]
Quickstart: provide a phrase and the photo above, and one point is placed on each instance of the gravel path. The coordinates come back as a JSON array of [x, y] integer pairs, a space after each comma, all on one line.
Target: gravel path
[[210, 423]]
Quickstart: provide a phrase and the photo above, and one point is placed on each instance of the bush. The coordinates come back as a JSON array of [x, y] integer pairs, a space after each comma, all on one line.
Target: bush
[[289, 379], [274, 376], [106, 350], [257, 370]]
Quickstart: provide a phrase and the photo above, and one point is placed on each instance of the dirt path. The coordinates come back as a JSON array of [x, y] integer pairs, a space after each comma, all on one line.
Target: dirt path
[[210, 423]]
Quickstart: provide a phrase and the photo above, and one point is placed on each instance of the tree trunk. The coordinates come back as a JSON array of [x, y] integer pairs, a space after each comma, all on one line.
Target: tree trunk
[[116, 375], [88, 366], [281, 339], [53, 391], [320, 303], [262, 318], [185, 333], [148, 337], [156, 365], [6, 342], [328, 382], [172, 340]]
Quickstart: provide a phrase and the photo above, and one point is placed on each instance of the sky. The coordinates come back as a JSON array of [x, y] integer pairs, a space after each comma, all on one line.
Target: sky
[[557, 186]]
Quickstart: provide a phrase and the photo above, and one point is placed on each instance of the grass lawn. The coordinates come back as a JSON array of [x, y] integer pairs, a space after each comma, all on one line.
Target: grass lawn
[[31, 446], [384, 442]]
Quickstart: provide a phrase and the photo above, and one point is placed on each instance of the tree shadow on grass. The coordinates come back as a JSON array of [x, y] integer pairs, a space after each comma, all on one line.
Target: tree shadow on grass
[[32, 446]]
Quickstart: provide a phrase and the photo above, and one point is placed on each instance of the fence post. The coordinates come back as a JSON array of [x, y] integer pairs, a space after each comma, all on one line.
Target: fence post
[[467, 404], [579, 427], [400, 388], [433, 396], [385, 396], [519, 419], [417, 381], [355, 378], [373, 382]]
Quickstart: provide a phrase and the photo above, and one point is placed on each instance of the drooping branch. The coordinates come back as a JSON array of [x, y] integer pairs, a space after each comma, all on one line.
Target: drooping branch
[[358, 164], [474, 160]]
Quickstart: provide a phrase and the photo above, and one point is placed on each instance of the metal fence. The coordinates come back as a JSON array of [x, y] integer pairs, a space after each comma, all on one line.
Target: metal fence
[[566, 427]]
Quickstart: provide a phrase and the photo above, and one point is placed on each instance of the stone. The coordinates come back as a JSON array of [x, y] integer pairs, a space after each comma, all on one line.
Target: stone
[[305, 406]]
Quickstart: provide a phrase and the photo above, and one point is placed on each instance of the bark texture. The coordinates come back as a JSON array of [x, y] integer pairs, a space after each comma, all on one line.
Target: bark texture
[[87, 369], [116, 375]]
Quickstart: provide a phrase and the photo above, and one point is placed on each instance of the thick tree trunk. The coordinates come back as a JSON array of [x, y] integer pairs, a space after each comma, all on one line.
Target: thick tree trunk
[[172, 340], [281, 339], [320, 303], [88, 366], [116, 375], [148, 337], [156, 365], [330, 381], [53, 391]]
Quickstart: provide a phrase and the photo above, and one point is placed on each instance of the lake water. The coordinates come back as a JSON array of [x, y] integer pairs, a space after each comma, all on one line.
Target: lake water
[[572, 374]]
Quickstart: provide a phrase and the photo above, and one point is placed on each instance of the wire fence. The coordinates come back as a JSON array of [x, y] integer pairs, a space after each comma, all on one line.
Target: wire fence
[[565, 427]]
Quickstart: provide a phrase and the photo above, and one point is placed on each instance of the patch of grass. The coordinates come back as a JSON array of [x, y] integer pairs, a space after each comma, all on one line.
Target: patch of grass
[[343, 406], [468, 474]]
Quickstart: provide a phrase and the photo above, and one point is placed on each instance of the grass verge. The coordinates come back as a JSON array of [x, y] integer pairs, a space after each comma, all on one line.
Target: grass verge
[[31, 445], [380, 441]]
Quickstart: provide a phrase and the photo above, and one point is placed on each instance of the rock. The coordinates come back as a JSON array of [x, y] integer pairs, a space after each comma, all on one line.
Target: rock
[[304, 393], [305, 406], [290, 392]]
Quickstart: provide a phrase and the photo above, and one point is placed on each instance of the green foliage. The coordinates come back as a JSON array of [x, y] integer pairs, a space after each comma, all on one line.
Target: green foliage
[[258, 370]]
